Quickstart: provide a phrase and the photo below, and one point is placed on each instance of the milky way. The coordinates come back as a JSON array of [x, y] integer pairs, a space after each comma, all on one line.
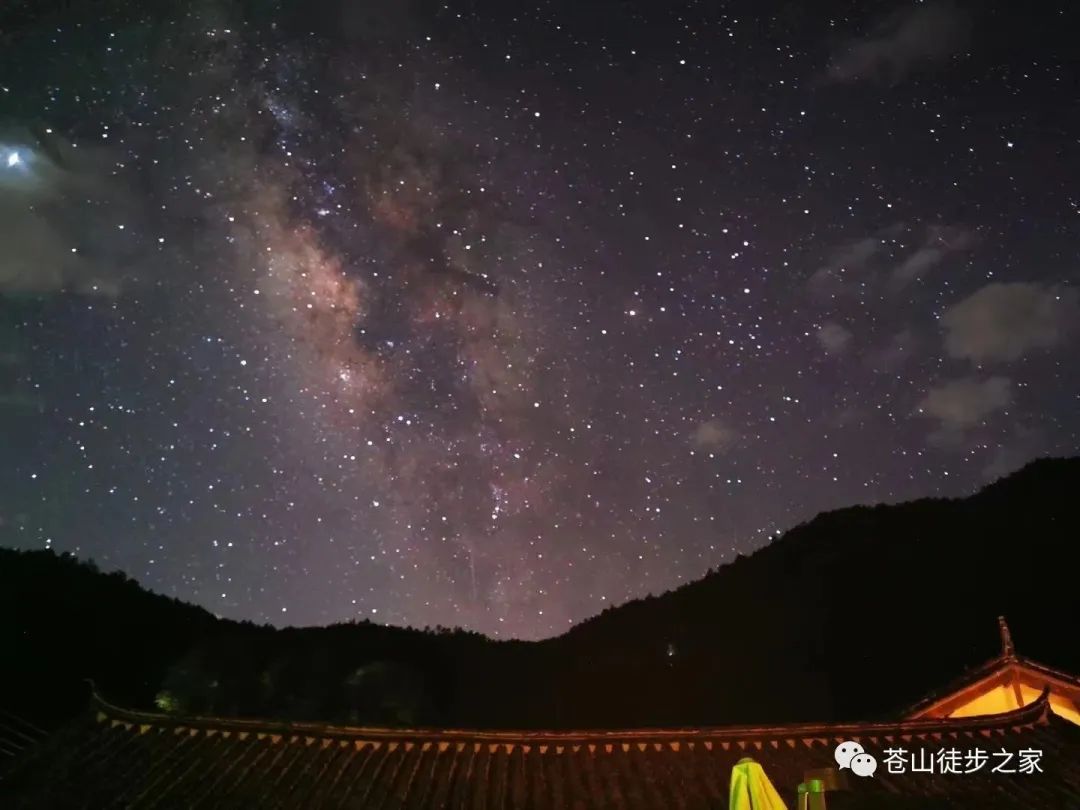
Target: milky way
[[495, 317]]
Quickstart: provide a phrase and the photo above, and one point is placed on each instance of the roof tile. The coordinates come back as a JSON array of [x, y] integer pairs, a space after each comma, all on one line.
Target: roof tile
[[121, 758]]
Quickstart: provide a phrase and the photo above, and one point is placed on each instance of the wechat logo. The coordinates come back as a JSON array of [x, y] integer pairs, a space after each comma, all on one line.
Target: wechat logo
[[853, 756]]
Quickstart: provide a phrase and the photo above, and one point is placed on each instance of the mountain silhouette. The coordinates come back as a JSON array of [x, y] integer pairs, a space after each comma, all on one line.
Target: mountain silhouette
[[853, 615]]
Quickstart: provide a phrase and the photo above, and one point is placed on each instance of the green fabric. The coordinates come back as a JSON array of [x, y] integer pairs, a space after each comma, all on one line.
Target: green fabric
[[751, 788]]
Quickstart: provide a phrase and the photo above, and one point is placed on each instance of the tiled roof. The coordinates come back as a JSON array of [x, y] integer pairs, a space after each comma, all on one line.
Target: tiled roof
[[16, 735], [121, 758]]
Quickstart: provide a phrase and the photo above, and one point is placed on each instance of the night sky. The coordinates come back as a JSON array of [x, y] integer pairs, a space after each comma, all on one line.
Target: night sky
[[497, 314]]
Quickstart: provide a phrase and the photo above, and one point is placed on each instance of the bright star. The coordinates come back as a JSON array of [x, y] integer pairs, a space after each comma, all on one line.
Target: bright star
[[13, 159]]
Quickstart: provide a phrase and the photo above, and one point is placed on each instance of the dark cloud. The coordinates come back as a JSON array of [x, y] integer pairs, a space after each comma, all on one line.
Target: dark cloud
[[908, 39], [1004, 321], [1023, 444], [959, 405], [62, 219], [833, 337], [850, 264], [889, 357], [714, 436]]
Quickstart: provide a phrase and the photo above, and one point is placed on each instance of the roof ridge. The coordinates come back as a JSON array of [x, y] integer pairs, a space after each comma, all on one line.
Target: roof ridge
[[986, 670], [1034, 713], [1048, 670]]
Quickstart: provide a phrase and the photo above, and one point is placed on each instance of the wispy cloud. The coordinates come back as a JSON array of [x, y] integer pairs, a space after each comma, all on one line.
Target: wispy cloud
[[845, 261], [941, 241], [909, 39], [892, 257]]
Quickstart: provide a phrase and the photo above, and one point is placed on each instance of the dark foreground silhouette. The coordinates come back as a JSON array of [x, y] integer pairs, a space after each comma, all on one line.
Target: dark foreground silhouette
[[855, 614]]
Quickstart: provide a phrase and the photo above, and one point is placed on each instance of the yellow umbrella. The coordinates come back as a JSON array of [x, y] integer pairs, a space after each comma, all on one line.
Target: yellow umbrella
[[751, 788]]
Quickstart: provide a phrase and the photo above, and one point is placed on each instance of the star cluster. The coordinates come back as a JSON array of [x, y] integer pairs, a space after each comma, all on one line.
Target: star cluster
[[496, 315]]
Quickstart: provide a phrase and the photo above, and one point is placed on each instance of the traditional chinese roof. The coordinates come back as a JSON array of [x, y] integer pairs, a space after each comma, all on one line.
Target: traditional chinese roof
[[1014, 672], [120, 758], [16, 735]]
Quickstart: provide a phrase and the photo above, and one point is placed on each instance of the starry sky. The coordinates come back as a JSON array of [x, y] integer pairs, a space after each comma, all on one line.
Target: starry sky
[[497, 314]]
